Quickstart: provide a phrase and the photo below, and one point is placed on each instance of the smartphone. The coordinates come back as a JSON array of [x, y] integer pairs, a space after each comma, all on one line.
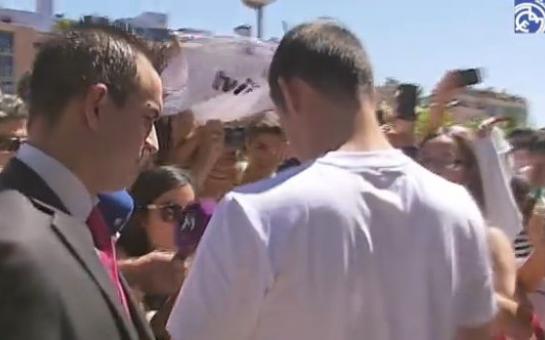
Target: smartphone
[[235, 137], [191, 225], [407, 97], [469, 77], [380, 117]]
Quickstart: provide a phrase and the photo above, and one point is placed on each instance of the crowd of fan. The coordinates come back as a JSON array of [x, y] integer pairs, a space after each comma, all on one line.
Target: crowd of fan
[[504, 174], [194, 161]]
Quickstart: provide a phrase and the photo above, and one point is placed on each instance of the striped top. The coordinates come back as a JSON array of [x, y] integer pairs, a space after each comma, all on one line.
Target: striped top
[[522, 246]]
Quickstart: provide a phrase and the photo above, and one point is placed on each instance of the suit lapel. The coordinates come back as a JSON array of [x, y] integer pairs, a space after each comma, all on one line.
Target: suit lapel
[[76, 236], [78, 240]]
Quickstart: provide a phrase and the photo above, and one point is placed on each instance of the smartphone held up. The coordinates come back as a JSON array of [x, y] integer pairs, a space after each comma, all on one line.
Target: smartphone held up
[[406, 101], [191, 225], [470, 76]]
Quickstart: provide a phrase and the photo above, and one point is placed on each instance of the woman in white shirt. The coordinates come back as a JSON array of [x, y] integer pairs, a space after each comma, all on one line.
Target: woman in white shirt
[[450, 155]]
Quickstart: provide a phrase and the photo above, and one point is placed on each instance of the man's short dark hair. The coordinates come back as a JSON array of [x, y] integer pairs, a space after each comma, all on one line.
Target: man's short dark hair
[[537, 144], [68, 63], [327, 56], [521, 138]]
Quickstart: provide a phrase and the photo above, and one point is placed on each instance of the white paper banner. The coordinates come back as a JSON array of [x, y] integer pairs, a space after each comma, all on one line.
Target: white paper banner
[[219, 77]]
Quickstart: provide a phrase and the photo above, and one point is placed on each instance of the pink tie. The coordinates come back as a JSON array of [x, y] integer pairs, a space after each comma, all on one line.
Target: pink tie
[[105, 245]]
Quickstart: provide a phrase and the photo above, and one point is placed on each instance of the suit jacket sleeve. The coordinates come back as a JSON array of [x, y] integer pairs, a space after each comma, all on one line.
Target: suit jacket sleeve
[[28, 308]]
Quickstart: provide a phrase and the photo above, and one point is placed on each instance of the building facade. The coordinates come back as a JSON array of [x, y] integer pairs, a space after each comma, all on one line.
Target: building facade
[[149, 25], [18, 45], [42, 19], [20, 34], [470, 105], [474, 104]]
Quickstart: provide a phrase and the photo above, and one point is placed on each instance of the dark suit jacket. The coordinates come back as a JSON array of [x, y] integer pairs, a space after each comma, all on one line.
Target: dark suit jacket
[[52, 283]]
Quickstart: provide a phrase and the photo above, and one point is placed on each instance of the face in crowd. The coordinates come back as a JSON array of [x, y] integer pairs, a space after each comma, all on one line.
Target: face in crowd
[[442, 156], [536, 161], [266, 148], [450, 156], [163, 216], [224, 176], [13, 133], [95, 97], [529, 154], [160, 195]]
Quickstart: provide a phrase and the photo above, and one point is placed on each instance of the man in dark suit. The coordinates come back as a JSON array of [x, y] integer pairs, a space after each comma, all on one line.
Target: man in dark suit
[[94, 97]]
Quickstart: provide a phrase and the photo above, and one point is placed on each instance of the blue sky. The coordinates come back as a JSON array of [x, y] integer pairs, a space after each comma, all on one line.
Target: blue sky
[[413, 41]]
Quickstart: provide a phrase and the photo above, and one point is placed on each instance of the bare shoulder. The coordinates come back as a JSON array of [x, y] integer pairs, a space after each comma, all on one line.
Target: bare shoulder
[[500, 247], [503, 261], [498, 241]]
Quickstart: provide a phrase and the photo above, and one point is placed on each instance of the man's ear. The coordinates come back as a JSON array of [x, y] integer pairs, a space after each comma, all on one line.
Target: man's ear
[[290, 95], [373, 97], [94, 102]]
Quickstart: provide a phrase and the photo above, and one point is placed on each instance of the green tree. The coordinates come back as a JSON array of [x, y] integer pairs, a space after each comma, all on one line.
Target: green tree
[[63, 25], [423, 121]]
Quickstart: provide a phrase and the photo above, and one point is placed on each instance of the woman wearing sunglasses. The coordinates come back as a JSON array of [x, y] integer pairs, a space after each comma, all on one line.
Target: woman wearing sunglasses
[[450, 155], [160, 195]]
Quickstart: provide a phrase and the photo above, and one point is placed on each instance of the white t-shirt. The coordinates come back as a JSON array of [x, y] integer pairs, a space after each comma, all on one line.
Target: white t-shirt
[[351, 246]]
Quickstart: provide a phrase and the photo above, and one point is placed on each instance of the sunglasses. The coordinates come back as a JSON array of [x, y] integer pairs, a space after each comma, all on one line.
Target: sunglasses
[[190, 222], [442, 164], [169, 213], [11, 144]]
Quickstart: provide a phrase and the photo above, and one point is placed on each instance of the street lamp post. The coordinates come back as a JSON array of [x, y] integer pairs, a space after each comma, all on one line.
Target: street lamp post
[[258, 6]]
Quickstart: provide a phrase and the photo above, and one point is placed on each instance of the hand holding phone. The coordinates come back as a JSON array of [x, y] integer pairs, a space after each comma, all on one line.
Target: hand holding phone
[[486, 126], [469, 77], [453, 82], [407, 99], [191, 225], [211, 140]]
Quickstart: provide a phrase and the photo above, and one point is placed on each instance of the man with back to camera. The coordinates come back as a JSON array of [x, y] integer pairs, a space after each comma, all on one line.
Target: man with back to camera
[[95, 96], [359, 242]]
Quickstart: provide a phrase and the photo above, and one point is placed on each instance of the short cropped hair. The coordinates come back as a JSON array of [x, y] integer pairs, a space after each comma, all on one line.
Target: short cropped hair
[[537, 144], [69, 62], [327, 56], [521, 138]]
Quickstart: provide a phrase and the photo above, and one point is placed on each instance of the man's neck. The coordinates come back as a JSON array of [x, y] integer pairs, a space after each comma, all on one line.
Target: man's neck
[[68, 187], [64, 157], [366, 142], [254, 173], [361, 134]]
